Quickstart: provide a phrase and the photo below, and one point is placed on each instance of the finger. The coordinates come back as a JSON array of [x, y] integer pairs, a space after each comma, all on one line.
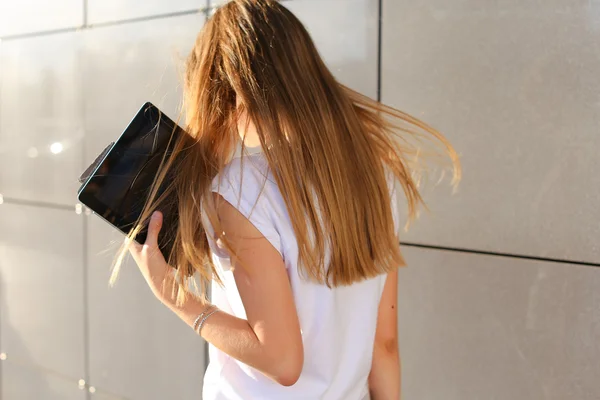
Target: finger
[[153, 229]]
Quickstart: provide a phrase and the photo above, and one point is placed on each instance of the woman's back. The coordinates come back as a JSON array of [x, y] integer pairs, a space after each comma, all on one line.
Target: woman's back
[[337, 324], [310, 224]]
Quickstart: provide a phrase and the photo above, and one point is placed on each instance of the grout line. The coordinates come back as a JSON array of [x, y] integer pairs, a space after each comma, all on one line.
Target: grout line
[[40, 33], [85, 253], [87, 26], [63, 207], [146, 18], [379, 47], [85, 12], [1, 362], [42, 204], [86, 310], [498, 254], [42, 370], [2, 287], [407, 244]]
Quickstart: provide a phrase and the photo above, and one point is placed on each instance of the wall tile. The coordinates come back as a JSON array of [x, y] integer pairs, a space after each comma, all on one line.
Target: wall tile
[[26, 16], [345, 32], [483, 327], [41, 289], [100, 11], [41, 125], [24, 383], [127, 65], [514, 87], [138, 348]]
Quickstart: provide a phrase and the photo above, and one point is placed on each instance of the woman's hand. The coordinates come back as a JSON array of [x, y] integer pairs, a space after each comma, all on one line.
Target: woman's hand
[[152, 264]]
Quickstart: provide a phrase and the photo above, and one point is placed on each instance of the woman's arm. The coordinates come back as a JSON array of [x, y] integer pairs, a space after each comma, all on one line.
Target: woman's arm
[[384, 380], [269, 340]]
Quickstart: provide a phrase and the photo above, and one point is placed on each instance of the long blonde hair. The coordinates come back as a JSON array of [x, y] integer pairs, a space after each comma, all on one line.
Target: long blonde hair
[[325, 144]]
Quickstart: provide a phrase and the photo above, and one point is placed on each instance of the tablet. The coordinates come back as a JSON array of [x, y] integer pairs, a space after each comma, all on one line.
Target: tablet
[[117, 184]]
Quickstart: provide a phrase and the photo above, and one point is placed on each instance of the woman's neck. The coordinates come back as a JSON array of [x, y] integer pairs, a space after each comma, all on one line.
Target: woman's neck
[[247, 131]]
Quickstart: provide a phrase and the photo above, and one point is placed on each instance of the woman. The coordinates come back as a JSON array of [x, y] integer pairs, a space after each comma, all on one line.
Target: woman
[[287, 208]]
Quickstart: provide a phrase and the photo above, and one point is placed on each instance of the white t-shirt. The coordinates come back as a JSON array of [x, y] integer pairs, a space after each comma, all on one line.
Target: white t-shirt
[[337, 325]]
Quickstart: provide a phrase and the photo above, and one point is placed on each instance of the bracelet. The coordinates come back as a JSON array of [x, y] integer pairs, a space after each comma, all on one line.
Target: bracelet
[[202, 314], [199, 330]]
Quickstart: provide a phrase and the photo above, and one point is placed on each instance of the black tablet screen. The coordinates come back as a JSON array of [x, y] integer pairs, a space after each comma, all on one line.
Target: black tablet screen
[[118, 189]]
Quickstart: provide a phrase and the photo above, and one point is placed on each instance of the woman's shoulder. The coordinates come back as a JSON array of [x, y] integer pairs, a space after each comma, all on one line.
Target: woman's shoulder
[[245, 173], [247, 186]]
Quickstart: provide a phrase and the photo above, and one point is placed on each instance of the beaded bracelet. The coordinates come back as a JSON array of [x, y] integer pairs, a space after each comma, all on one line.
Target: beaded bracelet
[[199, 330], [199, 317]]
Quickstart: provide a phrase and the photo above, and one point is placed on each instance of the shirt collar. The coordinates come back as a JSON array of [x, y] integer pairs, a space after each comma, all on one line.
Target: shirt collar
[[248, 151]]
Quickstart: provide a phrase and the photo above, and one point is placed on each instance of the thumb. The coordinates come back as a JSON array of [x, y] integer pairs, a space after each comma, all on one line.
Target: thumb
[[153, 229]]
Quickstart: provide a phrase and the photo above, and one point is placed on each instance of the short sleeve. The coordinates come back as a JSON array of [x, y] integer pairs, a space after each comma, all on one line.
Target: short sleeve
[[247, 187]]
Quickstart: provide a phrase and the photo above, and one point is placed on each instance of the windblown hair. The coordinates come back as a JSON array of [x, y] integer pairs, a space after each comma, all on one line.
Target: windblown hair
[[330, 149]]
